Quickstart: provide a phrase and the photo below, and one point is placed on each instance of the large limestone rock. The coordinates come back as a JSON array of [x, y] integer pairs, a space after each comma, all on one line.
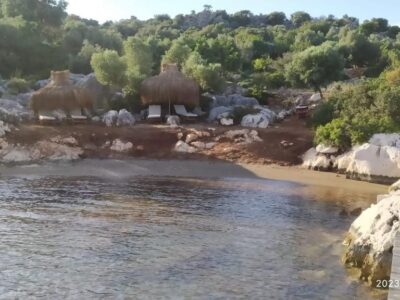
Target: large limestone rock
[[256, 121], [120, 146], [371, 237], [100, 92], [233, 100], [42, 150], [376, 161], [217, 113], [385, 139], [262, 119], [371, 162], [125, 118], [226, 122], [243, 136], [4, 128], [324, 149], [315, 98], [184, 147], [110, 118], [314, 160], [173, 121], [395, 187], [13, 112]]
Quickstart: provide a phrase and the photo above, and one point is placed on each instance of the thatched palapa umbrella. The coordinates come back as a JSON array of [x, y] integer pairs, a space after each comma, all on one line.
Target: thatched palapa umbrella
[[60, 94], [170, 87]]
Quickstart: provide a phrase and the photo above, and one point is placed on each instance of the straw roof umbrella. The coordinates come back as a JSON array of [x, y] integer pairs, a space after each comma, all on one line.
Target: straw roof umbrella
[[58, 94], [170, 87]]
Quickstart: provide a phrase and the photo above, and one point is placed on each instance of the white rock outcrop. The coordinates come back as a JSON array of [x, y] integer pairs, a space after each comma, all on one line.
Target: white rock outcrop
[[243, 136], [191, 137], [173, 121], [395, 187], [216, 113], [120, 146], [324, 149], [233, 100], [378, 160], [386, 139], [370, 160], [13, 112], [184, 147], [226, 122], [125, 118], [48, 150], [315, 98], [371, 237], [110, 118], [314, 160], [263, 119], [4, 128], [255, 121]]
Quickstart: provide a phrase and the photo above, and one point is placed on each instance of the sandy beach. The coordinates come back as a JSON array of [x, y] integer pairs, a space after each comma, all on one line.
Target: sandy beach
[[318, 185]]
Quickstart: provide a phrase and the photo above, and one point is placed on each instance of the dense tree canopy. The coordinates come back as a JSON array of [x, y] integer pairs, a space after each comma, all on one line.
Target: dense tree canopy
[[259, 52], [38, 36]]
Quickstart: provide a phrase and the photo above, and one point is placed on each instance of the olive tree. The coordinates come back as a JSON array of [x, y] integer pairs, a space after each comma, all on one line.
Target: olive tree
[[109, 68], [316, 67]]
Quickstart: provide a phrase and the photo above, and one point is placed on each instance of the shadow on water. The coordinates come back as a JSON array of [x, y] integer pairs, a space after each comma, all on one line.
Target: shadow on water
[[111, 229]]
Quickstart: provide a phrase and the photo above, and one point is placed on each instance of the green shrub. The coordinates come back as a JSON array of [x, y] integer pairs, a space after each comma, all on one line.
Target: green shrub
[[17, 86], [335, 134], [323, 114]]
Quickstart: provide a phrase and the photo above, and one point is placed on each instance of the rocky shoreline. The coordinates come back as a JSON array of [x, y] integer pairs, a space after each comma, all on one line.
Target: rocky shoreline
[[370, 240], [377, 161]]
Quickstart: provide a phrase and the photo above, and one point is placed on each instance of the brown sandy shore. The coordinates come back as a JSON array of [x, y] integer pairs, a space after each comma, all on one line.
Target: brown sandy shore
[[153, 154], [317, 185]]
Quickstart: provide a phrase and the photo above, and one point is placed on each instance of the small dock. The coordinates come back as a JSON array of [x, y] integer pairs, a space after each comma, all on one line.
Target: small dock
[[394, 290]]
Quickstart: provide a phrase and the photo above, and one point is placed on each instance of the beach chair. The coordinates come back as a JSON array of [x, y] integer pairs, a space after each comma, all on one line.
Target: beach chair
[[181, 111], [154, 113], [77, 117], [47, 118]]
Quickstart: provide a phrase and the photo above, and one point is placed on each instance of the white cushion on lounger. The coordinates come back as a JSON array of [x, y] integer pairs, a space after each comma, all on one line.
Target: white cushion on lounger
[[181, 110], [154, 112]]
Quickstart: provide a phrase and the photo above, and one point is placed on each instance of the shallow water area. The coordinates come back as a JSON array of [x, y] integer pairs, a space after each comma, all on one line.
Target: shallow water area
[[157, 237]]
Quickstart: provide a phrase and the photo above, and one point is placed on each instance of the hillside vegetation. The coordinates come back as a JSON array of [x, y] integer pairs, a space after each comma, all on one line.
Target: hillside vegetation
[[259, 52]]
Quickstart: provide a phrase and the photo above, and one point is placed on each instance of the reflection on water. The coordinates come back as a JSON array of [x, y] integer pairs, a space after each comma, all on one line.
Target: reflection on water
[[164, 238]]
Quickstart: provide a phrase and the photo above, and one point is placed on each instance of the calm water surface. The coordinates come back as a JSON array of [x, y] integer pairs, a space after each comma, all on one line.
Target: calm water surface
[[169, 238]]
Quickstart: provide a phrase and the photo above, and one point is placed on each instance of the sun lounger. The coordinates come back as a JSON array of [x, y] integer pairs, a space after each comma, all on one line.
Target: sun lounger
[[181, 111], [47, 118], [77, 116], [154, 113]]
